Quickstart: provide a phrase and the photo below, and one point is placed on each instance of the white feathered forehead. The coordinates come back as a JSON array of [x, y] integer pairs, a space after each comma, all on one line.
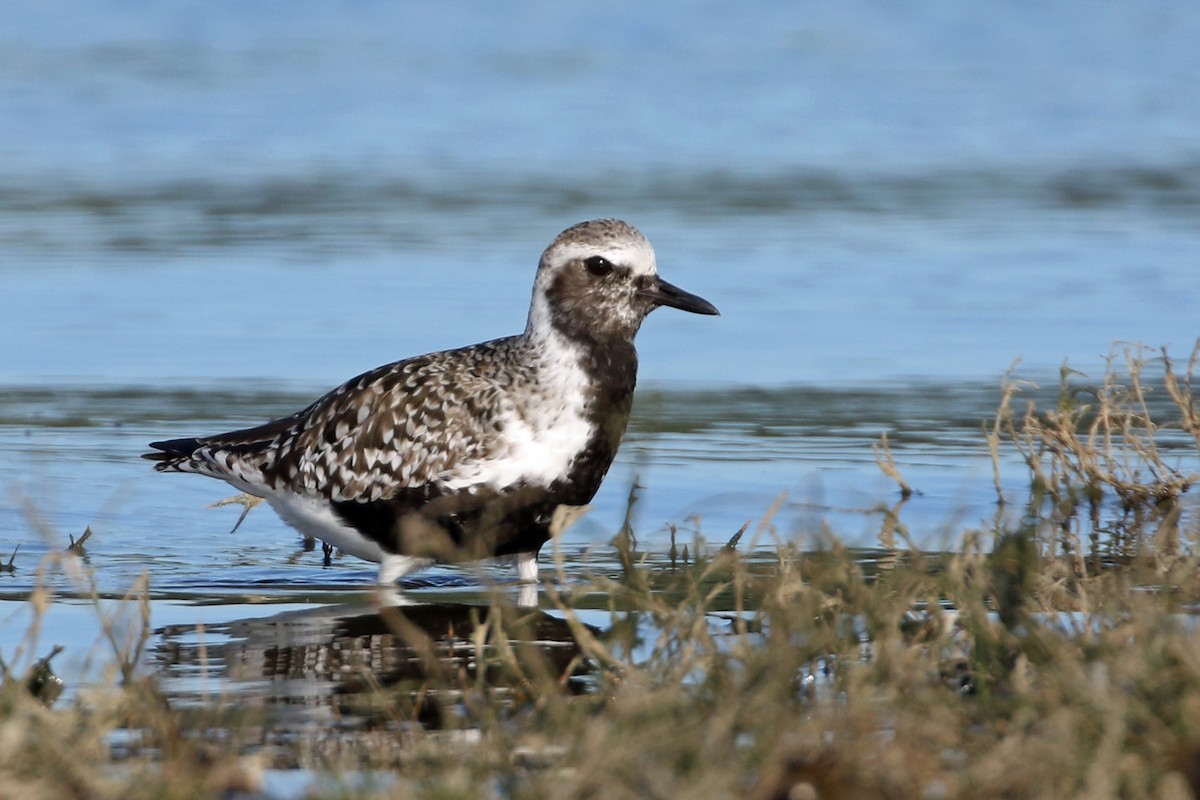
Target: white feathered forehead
[[615, 240]]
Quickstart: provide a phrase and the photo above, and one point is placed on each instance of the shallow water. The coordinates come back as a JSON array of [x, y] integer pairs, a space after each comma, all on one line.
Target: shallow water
[[790, 461], [709, 461]]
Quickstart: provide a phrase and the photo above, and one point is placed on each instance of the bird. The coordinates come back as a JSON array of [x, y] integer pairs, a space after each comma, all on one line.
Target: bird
[[464, 454]]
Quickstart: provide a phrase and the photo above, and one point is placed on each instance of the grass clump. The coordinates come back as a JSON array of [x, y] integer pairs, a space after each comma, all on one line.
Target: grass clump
[[1109, 466]]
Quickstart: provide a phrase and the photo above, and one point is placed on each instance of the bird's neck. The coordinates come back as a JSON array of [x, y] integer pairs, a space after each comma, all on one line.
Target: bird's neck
[[608, 365]]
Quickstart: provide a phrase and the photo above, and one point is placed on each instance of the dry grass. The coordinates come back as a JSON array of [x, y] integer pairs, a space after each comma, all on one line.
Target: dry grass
[[1104, 488], [1055, 658]]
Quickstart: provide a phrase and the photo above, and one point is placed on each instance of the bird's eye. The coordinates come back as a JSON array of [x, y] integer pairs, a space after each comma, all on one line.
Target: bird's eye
[[598, 266]]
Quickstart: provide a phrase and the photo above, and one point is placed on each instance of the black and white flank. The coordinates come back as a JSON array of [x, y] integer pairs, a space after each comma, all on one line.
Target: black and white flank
[[464, 454]]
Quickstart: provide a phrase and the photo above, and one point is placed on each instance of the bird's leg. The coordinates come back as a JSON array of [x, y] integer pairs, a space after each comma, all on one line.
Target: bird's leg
[[527, 595], [527, 567], [394, 567], [249, 501], [388, 597]]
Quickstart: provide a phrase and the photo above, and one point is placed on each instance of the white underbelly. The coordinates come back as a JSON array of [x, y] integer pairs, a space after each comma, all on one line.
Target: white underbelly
[[315, 518]]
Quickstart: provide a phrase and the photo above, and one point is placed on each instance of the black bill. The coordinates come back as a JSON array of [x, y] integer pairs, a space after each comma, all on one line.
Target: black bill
[[668, 294]]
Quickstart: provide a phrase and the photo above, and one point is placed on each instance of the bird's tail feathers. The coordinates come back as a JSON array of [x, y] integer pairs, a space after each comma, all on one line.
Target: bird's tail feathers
[[233, 463]]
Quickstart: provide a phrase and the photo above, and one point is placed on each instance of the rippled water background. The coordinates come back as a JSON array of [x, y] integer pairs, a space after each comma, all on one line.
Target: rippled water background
[[210, 213]]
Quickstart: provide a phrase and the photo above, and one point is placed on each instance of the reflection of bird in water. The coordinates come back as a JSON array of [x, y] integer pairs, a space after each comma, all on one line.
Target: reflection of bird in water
[[335, 657], [464, 454]]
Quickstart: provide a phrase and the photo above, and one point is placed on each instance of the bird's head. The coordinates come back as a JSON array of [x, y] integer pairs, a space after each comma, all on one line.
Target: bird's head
[[598, 280]]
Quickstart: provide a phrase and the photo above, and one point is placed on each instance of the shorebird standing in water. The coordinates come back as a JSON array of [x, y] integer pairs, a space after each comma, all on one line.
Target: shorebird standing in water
[[464, 454]]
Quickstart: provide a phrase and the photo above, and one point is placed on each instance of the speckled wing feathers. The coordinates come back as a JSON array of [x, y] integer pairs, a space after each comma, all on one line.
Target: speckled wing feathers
[[402, 426]]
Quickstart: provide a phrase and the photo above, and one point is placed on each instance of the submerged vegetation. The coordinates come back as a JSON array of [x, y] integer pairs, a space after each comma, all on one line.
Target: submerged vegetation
[[1051, 654]]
